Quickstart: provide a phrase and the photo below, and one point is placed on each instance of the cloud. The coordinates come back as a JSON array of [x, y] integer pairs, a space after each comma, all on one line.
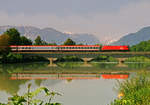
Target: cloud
[[129, 18]]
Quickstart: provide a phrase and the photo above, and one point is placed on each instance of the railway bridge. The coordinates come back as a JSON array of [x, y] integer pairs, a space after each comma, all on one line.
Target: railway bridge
[[86, 56]]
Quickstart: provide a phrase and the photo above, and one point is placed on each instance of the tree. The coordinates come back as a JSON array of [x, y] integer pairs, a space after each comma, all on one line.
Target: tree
[[4, 44], [69, 42], [38, 41], [25, 41], [14, 36]]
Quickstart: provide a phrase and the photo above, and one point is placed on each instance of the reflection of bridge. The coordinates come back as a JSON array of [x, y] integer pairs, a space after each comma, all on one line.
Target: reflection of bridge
[[68, 76], [87, 56]]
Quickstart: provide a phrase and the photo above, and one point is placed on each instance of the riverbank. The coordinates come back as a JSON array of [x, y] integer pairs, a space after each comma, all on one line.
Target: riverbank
[[135, 91]]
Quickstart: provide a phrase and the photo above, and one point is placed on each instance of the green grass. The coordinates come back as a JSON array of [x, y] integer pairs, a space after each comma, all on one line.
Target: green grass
[[136, 91]]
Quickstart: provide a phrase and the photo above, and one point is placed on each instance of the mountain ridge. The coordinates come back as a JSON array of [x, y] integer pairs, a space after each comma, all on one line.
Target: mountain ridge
[[51, 35], [134, 38]]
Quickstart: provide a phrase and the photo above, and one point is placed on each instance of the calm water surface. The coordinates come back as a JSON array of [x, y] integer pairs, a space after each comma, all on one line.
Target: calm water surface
[[93, 84]]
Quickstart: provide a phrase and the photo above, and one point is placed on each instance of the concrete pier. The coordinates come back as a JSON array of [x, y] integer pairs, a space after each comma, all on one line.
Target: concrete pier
[[121, 62], [86, 60], [51, 60]]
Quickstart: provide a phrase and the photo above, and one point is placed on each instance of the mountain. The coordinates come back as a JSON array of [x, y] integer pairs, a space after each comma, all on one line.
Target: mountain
[[86, 38], [134, 38], [51, 35]]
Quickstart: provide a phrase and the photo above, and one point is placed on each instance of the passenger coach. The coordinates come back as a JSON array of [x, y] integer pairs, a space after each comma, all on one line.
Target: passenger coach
[[48, 48]]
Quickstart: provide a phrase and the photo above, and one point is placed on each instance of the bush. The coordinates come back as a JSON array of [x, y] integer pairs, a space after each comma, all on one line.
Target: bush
[[29, 97], [138, 59], [135, 91]]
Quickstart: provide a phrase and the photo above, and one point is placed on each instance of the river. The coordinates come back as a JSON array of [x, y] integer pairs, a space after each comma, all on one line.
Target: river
[[79, 84]]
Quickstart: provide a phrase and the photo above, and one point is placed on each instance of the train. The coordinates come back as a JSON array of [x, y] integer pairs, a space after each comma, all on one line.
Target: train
[[67, 48], [15, 76]]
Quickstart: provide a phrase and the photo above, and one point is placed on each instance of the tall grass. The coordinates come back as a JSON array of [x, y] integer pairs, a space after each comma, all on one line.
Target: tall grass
[[135, 91]]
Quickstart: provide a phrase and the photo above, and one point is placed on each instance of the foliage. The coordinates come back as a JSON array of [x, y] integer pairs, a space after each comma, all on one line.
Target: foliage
[[16, 39], [25, 41], [105, 59], [69, 42], [14, 36], [28, 98], [38, 41], [142, 46], [134, 91], [68, 59], [138, 59], [52, 44], [4, 44], [17, 58]]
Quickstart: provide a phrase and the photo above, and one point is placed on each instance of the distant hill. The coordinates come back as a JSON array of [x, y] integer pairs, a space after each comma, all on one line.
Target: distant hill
[[51, 35], [134, 38]]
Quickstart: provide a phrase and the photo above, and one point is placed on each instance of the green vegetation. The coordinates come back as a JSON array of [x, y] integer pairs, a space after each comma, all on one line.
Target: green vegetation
[[142, 46], [11, 37], [4, 44], [105, 59], [39, 41], [14, 36], [138, 59], [135, 91], [25, 41], [69, 59], [69, 42], [17, 58], [29, 97]]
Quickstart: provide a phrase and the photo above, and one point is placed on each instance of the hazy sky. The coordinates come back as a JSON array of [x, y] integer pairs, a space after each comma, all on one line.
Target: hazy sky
[[107, 19]]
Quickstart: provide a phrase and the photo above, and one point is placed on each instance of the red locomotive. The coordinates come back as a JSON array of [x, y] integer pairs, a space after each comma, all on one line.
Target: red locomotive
[[69, 48], [115, 48], [115, 76]]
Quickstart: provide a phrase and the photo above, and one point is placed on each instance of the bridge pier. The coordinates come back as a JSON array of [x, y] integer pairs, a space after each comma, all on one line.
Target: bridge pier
[[121, 62], [51, 64], [86, 60]]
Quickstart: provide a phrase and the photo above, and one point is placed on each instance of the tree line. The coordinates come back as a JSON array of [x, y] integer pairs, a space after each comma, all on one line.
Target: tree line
[[143, 46], [13, 37]]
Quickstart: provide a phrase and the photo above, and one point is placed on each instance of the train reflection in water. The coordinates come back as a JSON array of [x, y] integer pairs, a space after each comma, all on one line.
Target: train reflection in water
[[68, 76]]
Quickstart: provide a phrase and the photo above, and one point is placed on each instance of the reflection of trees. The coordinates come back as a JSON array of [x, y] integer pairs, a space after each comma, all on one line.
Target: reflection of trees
[[11, 68], [139, 66], [105, 65], [69, 64], [10, 86], [38, 82]]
